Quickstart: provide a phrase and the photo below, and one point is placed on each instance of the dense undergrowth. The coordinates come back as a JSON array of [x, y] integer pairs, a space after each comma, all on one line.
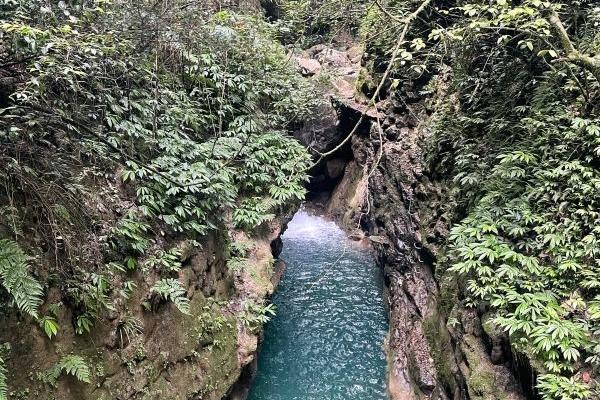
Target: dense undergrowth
[[516, 137], [518, 134], [125, 124], [304, 23]]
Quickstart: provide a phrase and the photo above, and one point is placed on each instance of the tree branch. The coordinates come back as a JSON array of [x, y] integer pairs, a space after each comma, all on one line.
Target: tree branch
[[386, 12], [592, 64]]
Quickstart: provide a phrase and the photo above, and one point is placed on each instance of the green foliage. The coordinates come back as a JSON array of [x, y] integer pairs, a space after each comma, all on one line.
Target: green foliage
[[3, 382], [559, 387], [71, 364], [308, 22], [127, 289], [92, 294], [128, 328], [49, 325], [166, 261], [237, 264], [129, 235], [193, 137], [210, 323], [172, 290], [256, 315], [84, 323], [252, 212], [15, 278], [238, 256]]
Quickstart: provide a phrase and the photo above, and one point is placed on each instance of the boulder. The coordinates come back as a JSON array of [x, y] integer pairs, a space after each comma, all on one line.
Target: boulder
[[308, 66], [321, 132], [331, 57]]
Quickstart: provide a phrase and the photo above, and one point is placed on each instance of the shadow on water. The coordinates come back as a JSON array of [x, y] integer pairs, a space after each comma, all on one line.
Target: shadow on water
[[326, 341]]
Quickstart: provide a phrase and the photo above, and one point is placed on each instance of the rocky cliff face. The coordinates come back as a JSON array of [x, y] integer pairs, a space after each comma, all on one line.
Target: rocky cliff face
[[170, 355], [407, 217], [388, 191]]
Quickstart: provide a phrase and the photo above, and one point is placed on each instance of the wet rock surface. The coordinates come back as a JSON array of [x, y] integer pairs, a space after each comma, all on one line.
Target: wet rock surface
[[406, 213]]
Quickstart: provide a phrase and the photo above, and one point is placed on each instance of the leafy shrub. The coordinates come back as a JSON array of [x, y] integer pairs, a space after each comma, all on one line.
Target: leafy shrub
[[559, 387], [529, 244]]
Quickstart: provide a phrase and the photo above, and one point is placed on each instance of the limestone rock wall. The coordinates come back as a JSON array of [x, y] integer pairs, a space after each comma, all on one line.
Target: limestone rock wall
[[174, 356], [392, 194]]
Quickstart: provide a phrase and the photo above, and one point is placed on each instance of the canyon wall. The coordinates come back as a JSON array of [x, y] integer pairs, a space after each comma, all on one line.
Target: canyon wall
[[170, 355], [389, 192]]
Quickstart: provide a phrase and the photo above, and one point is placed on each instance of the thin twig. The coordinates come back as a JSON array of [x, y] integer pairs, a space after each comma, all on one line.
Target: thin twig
[[396, 51]]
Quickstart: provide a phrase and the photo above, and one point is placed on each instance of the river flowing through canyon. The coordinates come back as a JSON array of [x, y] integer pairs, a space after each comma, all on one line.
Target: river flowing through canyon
[[326, 341]]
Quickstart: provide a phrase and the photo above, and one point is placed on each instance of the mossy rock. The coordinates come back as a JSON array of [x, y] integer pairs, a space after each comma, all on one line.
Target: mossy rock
[[365, 83], [486, 381], [441, 349]]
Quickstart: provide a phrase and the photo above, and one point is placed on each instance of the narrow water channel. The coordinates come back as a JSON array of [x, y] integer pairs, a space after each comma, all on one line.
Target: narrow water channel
[[326, 341]]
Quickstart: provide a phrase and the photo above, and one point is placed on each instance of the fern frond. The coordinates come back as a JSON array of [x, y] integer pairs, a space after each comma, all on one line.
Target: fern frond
[[76, 366], [71, 365], [3, 383], [172, 290], [14, 276]]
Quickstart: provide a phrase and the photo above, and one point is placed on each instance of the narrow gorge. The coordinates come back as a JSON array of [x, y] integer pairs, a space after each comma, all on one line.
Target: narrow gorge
[[299, 200]]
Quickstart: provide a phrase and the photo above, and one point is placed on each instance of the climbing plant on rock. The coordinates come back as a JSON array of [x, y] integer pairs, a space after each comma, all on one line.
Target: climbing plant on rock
[[526, 150]]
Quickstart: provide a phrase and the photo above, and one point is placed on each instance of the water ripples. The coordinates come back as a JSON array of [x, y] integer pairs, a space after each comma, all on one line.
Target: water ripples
[[326, 341]]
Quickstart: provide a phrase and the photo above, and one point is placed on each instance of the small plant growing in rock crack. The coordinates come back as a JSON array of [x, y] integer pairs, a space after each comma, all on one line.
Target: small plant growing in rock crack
[[127, 288], [237, 264], [172, 290], [165, 261], [255, 315], [210, 322], [71, 364], [128, 328], [92, 296], [238, 251], [49, 326]]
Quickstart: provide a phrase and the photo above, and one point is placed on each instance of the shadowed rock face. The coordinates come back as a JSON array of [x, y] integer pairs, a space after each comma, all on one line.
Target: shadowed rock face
[[406, 212], [321, 133]]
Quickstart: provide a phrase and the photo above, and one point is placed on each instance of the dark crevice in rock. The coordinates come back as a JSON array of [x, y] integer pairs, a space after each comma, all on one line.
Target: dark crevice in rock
[[239, 391]]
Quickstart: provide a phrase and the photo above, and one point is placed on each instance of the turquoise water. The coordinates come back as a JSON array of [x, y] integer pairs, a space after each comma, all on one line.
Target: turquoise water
[[326, 341]]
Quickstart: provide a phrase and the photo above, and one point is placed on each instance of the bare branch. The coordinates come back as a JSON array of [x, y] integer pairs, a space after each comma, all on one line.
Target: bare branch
[[397, 48]]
